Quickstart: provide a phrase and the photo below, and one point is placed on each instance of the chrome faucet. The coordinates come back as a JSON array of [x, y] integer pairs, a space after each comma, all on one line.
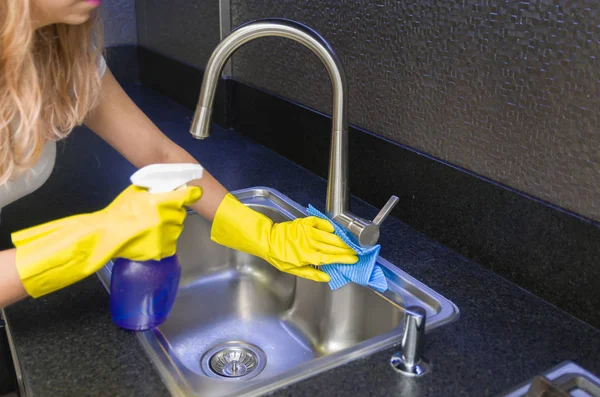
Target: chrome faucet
[[366, 232]]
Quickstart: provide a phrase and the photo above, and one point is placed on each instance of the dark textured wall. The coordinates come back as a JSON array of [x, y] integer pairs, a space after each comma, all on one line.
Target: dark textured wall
[[509, 90], [185, 30], [119, 22]]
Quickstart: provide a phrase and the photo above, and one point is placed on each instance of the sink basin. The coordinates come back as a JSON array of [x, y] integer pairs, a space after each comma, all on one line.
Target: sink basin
[[241, 327]]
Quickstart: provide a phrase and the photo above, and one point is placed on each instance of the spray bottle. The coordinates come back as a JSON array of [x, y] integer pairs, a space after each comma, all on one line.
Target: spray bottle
[[142, 293]]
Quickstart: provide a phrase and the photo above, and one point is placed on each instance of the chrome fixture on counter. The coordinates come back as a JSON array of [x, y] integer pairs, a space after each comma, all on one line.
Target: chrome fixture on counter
[[409, 360], [367, 232]]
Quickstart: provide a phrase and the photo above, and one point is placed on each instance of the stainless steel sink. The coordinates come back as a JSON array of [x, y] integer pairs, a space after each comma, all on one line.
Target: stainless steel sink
[[240, 327]]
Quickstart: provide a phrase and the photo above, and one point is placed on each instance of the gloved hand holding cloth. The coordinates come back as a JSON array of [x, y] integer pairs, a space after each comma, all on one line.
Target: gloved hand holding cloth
[[289, 246]]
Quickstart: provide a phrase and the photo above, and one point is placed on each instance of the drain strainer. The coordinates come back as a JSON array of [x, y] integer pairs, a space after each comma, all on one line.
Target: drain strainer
[[233, 360]]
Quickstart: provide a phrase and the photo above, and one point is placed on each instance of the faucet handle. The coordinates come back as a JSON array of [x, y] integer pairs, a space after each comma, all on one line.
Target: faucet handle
[[366, 232], [385, 211]]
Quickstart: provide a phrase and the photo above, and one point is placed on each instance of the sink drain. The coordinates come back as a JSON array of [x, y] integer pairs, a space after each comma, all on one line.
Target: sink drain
[[233, 360]]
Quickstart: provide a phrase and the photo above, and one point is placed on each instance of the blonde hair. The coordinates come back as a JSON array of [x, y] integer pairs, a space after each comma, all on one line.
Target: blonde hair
[[48, 83]]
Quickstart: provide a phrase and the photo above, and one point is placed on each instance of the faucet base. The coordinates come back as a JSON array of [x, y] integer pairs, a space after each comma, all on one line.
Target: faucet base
[[400, 365]]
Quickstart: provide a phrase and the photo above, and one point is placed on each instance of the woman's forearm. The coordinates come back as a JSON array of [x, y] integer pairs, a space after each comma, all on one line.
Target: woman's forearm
[[212, 191], [123, 125], [11, 287]]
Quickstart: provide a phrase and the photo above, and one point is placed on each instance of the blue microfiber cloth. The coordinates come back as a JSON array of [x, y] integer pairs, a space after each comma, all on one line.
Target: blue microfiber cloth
[[364, 272]]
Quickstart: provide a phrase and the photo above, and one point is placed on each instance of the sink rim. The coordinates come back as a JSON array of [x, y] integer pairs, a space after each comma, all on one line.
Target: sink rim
[[160, 353]]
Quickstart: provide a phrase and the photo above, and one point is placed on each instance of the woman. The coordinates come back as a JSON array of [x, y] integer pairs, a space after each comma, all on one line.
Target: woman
[[53, 78]]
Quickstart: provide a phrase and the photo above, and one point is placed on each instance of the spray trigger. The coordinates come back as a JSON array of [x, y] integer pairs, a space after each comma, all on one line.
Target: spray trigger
[[162, 178]]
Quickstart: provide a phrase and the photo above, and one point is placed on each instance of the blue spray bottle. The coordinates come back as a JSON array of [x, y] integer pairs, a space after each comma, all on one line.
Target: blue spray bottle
[[142, 293]]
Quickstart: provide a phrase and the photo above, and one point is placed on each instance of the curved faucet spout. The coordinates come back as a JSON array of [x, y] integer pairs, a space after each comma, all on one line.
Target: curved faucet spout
[[367, 232], [337, 190]]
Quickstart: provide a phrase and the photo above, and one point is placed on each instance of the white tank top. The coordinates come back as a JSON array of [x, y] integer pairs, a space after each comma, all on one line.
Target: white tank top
[[36, 176]]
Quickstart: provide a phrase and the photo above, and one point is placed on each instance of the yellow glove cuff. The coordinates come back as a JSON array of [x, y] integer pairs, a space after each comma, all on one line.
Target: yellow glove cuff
[[241, 228]]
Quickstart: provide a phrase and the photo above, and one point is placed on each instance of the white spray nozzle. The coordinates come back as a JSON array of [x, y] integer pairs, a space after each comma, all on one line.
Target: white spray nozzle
[[161, 178]]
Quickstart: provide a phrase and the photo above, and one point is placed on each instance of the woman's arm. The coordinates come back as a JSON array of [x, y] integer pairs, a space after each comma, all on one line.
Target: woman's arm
[[10, 282], [126, 128]]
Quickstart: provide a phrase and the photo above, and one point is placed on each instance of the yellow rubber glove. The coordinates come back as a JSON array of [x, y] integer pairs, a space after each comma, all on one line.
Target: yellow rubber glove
[[289, 246], [137, 225]]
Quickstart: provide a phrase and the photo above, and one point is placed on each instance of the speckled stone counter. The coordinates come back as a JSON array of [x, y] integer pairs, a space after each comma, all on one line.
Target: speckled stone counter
[[68, 345]]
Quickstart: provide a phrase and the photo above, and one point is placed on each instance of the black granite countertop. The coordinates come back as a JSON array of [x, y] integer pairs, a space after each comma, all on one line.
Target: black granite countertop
[[68, 346]]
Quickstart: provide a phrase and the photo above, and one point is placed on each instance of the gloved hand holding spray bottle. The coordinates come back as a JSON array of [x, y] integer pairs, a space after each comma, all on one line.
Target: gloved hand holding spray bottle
[[138, 225], [142, 293]]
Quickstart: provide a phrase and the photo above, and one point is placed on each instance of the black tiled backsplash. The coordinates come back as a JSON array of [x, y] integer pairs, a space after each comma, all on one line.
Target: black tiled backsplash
[[119, 19], [545, 250], [185, 30], [509, 90], [123, 63]]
